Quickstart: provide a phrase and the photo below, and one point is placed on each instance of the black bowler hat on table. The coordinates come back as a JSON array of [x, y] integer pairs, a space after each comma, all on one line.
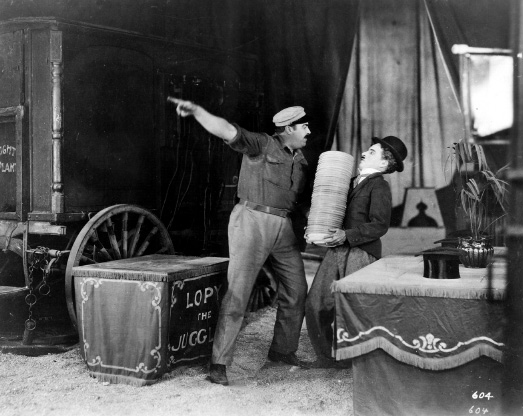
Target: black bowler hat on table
[[396, 147]]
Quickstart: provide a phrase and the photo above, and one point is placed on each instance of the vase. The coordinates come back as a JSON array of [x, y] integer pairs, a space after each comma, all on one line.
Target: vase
[[475, 253]]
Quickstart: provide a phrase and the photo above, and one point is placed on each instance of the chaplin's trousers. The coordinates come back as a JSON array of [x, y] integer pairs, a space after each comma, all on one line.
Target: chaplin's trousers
[[255, 237], [338, 262]]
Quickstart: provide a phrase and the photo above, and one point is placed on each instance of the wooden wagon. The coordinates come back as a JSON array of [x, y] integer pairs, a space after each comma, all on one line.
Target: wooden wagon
[[82, 122]]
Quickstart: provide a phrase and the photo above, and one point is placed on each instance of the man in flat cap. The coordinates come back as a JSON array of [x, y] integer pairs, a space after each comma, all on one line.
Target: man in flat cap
[[358, 244], [273, 174]]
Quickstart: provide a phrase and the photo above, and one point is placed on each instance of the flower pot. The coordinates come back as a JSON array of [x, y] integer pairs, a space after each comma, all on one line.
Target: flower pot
[[475, 253]]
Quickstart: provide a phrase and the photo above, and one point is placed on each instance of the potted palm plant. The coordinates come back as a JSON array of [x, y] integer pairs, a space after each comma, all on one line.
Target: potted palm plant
[[482, 198]]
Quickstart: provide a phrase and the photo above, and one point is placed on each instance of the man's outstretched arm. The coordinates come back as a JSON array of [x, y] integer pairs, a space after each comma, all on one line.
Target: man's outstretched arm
[[213, 124]]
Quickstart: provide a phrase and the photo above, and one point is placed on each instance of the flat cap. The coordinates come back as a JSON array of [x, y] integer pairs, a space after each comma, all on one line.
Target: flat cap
[[288, 116]]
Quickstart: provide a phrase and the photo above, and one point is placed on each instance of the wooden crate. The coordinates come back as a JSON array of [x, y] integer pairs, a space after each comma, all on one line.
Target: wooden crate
[[140, 317]]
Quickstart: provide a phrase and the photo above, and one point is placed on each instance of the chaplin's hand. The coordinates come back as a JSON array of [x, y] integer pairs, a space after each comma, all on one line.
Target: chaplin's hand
[[307, 240], [337, 238]]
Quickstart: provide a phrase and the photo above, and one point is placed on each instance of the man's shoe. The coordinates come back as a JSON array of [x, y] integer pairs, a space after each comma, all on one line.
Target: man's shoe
[[289, 358], [218, 374]]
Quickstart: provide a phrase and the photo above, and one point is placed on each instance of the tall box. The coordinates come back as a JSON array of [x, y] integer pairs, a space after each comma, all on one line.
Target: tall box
[[140, 317]]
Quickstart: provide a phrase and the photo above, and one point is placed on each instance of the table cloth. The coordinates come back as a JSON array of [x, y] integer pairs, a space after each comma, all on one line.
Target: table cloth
[[446, 334]]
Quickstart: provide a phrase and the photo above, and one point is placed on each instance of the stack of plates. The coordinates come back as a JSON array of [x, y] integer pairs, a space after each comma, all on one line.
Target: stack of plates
[[329, 195]]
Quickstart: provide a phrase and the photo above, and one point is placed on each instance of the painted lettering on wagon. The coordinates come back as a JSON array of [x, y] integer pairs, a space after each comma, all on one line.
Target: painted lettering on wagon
[[9, 152], [7, 167]]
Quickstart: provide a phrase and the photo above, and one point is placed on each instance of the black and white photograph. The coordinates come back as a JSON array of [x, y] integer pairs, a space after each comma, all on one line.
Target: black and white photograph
[[261, 207]]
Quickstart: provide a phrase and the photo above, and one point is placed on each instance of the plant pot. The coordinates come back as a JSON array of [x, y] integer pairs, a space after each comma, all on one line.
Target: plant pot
[[475, 253]]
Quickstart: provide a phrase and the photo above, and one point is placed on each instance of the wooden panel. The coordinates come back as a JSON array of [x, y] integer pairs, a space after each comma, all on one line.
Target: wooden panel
[[11, 69], [109, 133], [41, 124]]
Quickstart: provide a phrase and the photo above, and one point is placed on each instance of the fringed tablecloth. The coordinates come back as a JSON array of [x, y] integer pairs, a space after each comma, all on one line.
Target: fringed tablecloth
[[415, 340], [434, 324]]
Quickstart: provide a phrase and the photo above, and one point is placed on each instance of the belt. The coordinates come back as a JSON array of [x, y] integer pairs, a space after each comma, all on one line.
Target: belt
[[264, 208]]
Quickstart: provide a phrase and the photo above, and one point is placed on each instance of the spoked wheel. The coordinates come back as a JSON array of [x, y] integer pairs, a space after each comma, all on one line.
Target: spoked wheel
[[117, 232]]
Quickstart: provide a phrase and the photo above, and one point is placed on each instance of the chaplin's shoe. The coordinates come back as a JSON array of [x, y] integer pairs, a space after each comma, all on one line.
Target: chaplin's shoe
[[289, 358], [218, 374]]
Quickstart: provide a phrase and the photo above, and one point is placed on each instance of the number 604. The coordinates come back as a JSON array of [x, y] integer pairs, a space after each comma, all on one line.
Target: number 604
[[482, 395]]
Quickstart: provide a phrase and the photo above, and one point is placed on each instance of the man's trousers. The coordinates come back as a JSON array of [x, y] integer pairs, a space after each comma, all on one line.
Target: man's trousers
[[255, 237]]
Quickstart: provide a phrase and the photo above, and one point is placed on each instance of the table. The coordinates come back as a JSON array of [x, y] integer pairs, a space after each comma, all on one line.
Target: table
[[422, 346], [140, 317]]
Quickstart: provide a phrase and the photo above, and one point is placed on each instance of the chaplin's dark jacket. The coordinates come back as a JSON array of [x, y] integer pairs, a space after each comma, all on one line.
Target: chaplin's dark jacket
[[368, 213]]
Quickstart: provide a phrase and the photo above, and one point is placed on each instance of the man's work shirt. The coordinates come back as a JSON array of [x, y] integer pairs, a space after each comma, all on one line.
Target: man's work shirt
[[270, 174]]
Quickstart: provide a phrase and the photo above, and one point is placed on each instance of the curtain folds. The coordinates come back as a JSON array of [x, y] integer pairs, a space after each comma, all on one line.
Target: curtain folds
[[478, 23], [361, 69], [397, 85], [305, 56]]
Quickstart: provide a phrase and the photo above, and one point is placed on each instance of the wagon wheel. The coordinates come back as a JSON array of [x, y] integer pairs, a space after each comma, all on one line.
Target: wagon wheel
[[117, 232]]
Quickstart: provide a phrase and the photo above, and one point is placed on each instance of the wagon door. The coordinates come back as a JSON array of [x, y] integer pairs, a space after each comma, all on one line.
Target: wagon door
[[109, 139]]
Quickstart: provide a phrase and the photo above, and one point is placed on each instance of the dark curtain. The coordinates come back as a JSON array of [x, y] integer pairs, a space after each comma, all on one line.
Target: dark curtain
[[477, 23], [305, 51], [224, 26], [303, 47]]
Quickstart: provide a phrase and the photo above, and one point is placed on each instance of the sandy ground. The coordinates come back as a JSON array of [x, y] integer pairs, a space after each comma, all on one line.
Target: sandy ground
[[59, 384]]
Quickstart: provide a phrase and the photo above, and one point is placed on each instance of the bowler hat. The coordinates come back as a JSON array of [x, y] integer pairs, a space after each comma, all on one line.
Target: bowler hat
[[396, 147]]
